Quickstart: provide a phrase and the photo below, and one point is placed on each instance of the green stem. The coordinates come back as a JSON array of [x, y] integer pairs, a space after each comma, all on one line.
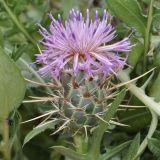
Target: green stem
[[95, 148], [16, 21], [6, 147], [152, 129], [147, 34], [81, 144], [139, 93]]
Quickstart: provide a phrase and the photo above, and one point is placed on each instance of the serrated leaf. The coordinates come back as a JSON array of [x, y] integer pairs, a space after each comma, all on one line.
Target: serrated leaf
[[115, 150], [130, 12], [12, 85], [38, 130], [133, 148], [154, 146], [70, 153]]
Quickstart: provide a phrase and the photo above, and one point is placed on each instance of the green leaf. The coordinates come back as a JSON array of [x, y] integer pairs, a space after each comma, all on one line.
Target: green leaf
[[115, 150], [130, 12], [136, 52], [17, 53], [154, 91], [157, 4], [156, 22], [137, 119], [114, 106], [98, 133], [157, 134], [12, 85], [38, 130], [133, 148], [70, 153], [154, 146]]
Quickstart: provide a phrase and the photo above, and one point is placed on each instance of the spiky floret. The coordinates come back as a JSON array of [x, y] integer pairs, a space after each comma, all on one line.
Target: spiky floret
[[81, 44]]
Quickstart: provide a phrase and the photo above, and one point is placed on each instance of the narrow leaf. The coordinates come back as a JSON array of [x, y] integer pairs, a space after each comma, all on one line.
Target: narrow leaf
[[18, 53], [133, 148], [130, 12], [154, 146], [115, 150], [114, 106], [38, 130], [70, 153], [154, 92]]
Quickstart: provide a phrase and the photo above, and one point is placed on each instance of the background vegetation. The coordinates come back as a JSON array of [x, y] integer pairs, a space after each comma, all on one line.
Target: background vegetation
[[19, 39]]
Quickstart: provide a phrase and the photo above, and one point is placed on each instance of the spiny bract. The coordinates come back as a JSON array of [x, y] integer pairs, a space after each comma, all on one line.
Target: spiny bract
[[81, 102]]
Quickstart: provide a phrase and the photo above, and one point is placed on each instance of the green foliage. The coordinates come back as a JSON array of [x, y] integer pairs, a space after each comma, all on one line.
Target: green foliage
[[156, 23], [136, 119], [155, 89], [136, 52], [17, 52], [70, 153], [99, 131], [12, 88], [154, 147], [130, 12], [112, 152], [38, 130], [114, 106], [132, 151], [67, 5], [18, 38]]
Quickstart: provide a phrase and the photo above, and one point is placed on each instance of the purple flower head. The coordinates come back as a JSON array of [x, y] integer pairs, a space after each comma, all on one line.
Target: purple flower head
[[81, 44]]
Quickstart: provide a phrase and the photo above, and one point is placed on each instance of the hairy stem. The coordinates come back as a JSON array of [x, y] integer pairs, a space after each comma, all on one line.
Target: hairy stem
[[152, 129], [16, 21]]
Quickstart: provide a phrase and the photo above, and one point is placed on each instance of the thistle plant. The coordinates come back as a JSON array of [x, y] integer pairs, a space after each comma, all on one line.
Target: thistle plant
[[82, 59], [85, 64]]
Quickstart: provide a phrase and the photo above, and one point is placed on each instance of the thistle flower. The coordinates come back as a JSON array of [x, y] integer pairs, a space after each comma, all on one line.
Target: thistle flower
[[81, 44]]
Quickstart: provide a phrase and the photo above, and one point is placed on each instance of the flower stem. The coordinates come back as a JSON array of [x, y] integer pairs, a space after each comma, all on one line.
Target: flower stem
[[152, 129], [147, 34], [16, 21]]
